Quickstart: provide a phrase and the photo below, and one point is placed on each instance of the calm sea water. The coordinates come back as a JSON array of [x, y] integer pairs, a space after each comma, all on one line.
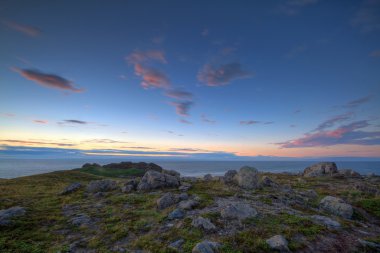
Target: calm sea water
[[11, 168]]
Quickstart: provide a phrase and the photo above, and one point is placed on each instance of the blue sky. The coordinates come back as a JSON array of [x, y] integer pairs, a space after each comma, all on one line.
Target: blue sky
[[287, 78]]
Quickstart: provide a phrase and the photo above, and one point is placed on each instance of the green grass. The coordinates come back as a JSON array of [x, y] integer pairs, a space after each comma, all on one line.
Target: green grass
[[372, 206], [109, 172]]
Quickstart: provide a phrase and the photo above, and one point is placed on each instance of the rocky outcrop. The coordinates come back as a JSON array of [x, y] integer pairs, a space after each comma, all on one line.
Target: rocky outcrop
[[130, 165], [104, 185], [203, 223], [336, 206], [168, 199], [247, 178], [268, 182], [71, 188], [229, 177], [239, 211], [348, 173], [156, 180], [321, 169], [6, 215], [279, 243], [325, 221], [206, 247], [129, 186]]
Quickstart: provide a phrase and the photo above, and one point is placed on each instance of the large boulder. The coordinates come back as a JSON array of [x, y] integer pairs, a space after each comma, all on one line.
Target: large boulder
[[206, 247], [238, 211], [6, 215], [247, 178], [229, 176], [203, 223], [348, 173], [71, 188], [278, 243], [168, 199], [156, 180], [321, 169], [104, 185], [336, 206]]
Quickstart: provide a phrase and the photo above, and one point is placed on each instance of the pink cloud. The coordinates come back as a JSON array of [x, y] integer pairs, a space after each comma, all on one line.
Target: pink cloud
[[221, 75], [179, 94], [47, 80], [182, 108], [25, 29], [140, 56], [151, 77], [183, 121], [40, 121]]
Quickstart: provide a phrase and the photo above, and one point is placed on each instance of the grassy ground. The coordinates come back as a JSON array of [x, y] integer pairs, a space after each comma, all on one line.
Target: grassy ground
[[107, 172]]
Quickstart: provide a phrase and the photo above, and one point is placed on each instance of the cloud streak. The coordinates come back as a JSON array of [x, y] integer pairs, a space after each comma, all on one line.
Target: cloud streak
[[346, 134], [22, 28], [358, 102], [332, 121], [223, 74], [179, 94], [152, 77], [182, 108], [47, 80]]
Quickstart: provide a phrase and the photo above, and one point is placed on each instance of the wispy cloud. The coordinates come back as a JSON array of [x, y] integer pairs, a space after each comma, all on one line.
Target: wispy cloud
[[296, 51], [223, 74], [151, 77], [358, 102], [8, 115], [144, 56], [183, 121], [204, 118], [75, 121], [47, 80], [40, 121], [293, 7], [179, 94], [182, 108], [249, 122], [104, 141], [334, 120], [375, 53], [32, 142], [346, 134], [367, 18], [25, 29]]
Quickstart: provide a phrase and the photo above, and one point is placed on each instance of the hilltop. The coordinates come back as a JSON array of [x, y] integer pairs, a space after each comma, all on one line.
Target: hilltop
[[142, 207]]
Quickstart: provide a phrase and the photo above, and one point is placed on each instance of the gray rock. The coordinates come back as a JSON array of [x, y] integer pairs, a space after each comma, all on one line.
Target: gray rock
[[278, 242], [6, 215], [184, 187], [80, 220], [247, 178], [172, 173], [336, 206], [71, 188], [183, 196], [325, 221], [238, 211], [168, 199], [104, 185], [206, 247], [207, 177], [321, 169], [229, 176], [268, 182], [156, 180], [203, 223], [371, 245], [176, 214], [127, 188], [187, 204], [349, 173], [176, 245]]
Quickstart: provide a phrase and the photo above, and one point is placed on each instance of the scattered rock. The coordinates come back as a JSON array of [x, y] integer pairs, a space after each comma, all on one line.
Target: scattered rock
[[268, 182], [190, 179], [278, 242], [206, 247], [176, 245], [155, 180], [187, 204], [127, 188], [172, 173], [183, 196], [229, 176], [207, 177], [71, 188], [366, 188], [184, 187], [104, 185], [325, 221], [321, 169], [176, 214], [168, 199], [349, 173], [247, 177], [238, 211], [80, 220], [6, 215], [336, 206], [371, 245], [203, 223]]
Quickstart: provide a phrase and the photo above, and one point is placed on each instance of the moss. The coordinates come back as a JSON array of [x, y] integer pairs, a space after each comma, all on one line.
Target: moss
[[372, 206]]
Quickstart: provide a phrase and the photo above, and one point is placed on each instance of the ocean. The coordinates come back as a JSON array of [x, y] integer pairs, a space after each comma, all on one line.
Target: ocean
[[11, 168]]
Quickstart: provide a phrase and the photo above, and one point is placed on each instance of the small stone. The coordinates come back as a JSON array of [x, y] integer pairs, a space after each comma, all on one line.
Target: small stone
[[336, 206], [176, 214], [104, 185], [71, 188], [206, 247], [168, 199], [187, 204], [326, 221], [238, 211], [176, 245], [183, 196], [127, 188], [80, 220], [278, 242], [6, 215], [203, 223]]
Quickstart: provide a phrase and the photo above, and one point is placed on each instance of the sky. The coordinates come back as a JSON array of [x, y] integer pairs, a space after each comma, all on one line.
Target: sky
[[190, 79]]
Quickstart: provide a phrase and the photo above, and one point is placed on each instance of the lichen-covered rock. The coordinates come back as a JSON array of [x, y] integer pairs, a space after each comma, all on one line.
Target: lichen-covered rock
[[104, 185], [206, 247], [6, 215], [247, 178], [176, 214], [278, 242], [203, 223], [168, 199], [238, 211], [326, 221], [229, 177], [71, 188], [321, 169], [336, 206], [156, 180], [188, 204]]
